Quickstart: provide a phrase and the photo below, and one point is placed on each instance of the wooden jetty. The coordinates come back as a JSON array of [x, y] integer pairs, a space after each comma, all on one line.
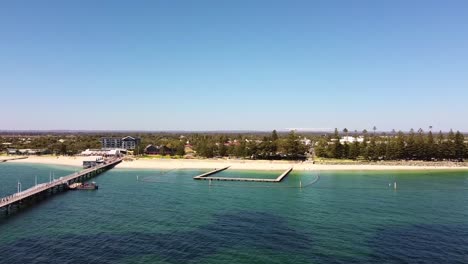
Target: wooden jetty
[[205, 177], [284, 174], [43, 190]]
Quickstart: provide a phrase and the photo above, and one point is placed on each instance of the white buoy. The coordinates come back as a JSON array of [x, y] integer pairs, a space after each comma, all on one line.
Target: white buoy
[[300, 184], [394, 185], [137, 177]]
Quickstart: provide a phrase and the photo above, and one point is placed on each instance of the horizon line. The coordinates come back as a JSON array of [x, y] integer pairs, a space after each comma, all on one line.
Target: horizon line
[[310, 130]]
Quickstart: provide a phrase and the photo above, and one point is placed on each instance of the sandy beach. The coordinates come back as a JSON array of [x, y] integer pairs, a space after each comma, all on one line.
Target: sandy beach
[[235, 164]]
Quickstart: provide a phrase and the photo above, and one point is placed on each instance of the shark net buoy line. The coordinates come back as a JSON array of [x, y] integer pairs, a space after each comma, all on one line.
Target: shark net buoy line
[[161, 177], [309, 181]]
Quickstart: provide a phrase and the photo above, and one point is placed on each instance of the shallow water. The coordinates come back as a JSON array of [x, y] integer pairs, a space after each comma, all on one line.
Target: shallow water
[[167, 217]]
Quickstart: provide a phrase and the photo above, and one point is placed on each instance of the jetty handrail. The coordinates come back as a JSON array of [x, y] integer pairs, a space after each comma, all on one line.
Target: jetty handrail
[[10, 199]]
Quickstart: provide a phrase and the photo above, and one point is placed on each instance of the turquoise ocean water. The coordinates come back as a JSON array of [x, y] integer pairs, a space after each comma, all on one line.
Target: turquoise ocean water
[[167, 217]]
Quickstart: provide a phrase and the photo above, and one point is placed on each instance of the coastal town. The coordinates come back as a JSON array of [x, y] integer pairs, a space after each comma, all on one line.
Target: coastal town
[[233, 132], [261, 150]]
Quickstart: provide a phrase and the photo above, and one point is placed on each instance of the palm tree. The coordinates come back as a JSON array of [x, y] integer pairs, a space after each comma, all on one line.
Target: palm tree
[[346, 132]]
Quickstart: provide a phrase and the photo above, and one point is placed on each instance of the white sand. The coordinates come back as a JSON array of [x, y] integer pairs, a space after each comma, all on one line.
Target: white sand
[[235, 164]]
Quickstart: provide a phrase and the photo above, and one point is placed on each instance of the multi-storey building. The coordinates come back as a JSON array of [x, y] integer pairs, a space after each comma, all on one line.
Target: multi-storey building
[[125, 143]]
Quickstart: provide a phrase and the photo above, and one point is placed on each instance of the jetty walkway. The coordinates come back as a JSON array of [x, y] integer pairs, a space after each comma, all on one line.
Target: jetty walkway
[[205, 176], [42, 190]]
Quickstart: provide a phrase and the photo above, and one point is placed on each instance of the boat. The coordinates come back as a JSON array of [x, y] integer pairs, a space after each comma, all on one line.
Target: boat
[[83, 186]]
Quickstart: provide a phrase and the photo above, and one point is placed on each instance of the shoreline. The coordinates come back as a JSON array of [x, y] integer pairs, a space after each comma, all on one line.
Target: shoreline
[[263, 165]]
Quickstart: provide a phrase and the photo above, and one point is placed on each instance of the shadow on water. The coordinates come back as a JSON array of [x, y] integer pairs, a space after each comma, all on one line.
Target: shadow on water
[[241, 231], [248, 230], [420, 244]]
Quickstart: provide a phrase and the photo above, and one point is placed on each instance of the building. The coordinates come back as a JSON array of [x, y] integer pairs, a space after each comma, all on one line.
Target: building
[[158, 150], [350, 139], [306, 141], [103, 152], [27, 151], [127, 142], [12, 151]]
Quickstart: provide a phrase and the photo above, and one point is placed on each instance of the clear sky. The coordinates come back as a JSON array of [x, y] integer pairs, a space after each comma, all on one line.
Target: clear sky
[[230, 65]]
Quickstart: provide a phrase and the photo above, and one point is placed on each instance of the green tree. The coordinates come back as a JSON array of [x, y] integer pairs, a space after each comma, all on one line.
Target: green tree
[[240, 150], [354, 150], [63, 149], [381, 150], [293, 147], [430, 147], [459, 145], [180, 149], [346, 150], [274, 135], [440, 146], [372, 153], [420, 146], [336, 134], [391, 152], [205, 148], [321, 150], [400, 152], [337, 150], [222, 149], [410, 149], [345, 130], [451, 148]]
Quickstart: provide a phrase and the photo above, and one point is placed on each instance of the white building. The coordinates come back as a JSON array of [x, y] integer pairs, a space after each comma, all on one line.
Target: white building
[[127, 142], [306, 141], [350, 139], [103, 152]]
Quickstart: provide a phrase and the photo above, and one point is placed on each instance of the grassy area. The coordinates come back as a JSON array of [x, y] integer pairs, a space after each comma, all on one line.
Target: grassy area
[[326, 160], [160, 157]]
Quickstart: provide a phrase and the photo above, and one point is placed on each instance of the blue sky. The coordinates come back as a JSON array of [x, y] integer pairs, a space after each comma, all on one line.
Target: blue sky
[[233, 65]]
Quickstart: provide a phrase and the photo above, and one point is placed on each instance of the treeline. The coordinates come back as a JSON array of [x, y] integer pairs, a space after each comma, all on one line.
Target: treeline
[[53, 144], [415, 145], [395, 146], [271, 147]]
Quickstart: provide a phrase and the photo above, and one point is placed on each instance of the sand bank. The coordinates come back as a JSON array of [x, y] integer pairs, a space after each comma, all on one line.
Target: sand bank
[[235, 164]]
